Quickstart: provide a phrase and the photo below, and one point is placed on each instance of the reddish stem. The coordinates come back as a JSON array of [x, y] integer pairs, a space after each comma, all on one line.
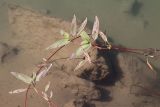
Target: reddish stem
[[47, 60]]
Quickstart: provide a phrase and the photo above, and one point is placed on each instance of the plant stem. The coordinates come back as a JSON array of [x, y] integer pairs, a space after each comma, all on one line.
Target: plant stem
[[47, 60]]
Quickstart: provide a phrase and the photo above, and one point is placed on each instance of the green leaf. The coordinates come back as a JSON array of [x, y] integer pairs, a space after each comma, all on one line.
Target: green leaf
[[84, 42], [58, 44], [83, 25], [85, 36], [22, 77], [65, 34], [82, 48], [74, 26]]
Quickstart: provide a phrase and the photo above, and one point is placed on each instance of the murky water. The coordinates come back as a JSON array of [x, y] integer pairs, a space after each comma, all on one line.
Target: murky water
[[139, 29], [131, 23]]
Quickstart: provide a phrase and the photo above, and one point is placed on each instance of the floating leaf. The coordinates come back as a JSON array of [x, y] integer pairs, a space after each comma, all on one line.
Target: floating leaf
[[95, 29], [82, 48], [58, 44], [17, 91], [22, 77], [43, 73], [80, 64], [47, 87], [85, 36], [74, 26], [83, 25]]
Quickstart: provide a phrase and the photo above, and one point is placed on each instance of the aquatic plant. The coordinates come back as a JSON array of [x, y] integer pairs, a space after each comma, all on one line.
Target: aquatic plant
[[86, 45]]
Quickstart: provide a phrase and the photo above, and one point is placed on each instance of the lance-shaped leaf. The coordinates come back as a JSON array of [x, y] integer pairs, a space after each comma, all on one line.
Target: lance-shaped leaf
[[18, 91], [58, 43], [84, 42], [83, 25], [82, 48], [22, 77], [85, 36], [74, 26], [43, 73], [95, 29], [80, 64], [47, 87], [104, 37]]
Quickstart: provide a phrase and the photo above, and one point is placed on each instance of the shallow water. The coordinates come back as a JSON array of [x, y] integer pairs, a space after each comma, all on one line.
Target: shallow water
[[127, 22], [139, 30]]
